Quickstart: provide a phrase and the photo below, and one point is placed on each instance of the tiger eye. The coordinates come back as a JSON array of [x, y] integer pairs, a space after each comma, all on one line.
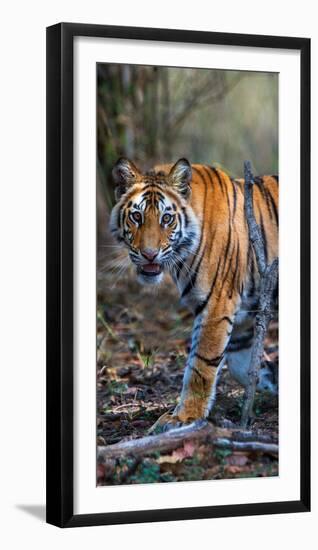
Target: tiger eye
[[166, 218], [136, 216]]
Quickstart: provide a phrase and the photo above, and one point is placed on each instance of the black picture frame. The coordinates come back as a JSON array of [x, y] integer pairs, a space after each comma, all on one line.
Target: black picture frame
[[60, 274]]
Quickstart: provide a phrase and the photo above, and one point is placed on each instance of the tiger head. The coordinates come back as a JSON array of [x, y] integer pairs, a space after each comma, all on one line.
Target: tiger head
[[153, 217]]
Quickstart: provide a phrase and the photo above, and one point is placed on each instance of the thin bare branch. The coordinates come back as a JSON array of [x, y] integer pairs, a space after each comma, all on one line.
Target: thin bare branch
[[268, 284]]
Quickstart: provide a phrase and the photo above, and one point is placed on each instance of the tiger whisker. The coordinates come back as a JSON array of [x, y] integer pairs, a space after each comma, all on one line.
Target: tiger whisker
[[120, 273], [114, 265], [183, 263]]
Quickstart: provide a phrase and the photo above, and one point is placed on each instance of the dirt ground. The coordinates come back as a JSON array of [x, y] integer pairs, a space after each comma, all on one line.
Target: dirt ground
[[143, 336]]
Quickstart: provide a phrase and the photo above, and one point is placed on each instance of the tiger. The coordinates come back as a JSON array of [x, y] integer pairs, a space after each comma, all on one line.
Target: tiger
[[189, 220]]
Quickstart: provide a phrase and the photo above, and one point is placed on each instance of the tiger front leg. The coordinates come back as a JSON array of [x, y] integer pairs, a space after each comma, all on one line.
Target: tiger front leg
[[210, 336]]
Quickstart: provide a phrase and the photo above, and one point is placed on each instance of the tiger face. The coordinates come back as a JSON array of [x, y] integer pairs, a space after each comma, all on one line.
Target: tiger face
[[153, 217]]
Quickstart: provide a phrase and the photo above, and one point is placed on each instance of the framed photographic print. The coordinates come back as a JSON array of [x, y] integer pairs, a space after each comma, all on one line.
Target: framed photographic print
[[178, 364]]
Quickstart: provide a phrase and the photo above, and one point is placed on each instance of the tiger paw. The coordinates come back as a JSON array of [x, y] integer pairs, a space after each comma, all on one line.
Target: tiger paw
[[166, 422], [172, 420]]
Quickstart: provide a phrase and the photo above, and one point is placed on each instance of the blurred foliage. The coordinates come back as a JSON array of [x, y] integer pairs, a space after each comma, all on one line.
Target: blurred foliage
[[159, 114]]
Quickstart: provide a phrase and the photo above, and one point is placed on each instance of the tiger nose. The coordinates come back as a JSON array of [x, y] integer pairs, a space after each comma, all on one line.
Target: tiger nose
[[149, 253]]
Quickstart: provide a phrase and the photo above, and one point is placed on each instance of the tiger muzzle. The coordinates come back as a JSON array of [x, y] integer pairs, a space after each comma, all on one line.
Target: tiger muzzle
[[150, 270]]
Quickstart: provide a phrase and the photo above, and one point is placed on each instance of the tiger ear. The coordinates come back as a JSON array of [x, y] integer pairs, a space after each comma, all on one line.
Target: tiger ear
[[124, 174], [180, 176]]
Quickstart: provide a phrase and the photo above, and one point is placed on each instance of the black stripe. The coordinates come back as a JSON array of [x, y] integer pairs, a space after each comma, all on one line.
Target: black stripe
[[227, 195], [178, 267], [229, 266], [267, 196], [195, 255], [268, 203], [159, 194], [276, 178], [230, 225], [274, 207], [155, 182], [193, 279], [119, 212], [241, 342], [186, 217], [185, 242], [233, 347], [206, 170], [215, 171], [197, 170], [227, 248], [144, 196], [234, 196], [201, 306], [235, 271], [214, 362], [197, 372], [156, 186], [226, 318], [260, 184], [264, 237], [196, 329], [242, 337]]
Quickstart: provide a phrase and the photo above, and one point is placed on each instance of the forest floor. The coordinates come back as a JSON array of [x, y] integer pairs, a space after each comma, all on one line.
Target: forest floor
[[142, 343]]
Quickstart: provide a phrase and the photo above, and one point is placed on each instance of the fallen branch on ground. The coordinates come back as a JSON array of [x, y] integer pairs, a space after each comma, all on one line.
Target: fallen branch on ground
[[257, 446], [174, 439]]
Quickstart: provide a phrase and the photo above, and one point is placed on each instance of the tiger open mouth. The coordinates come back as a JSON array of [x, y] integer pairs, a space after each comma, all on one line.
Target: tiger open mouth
[[150, 270]]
